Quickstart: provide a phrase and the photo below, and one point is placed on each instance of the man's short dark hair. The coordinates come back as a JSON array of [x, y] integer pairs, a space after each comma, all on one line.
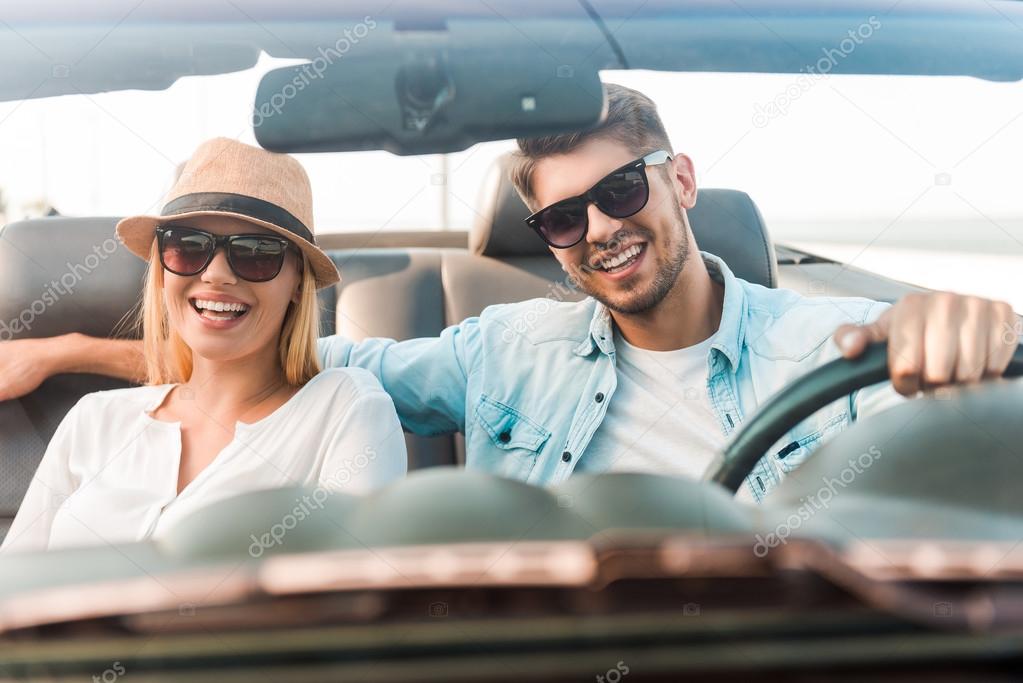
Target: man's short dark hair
[[632, 120]]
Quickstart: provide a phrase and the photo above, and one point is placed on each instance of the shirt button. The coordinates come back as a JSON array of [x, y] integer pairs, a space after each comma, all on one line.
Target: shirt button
[[599, 397], [566, 457], [504, 437]]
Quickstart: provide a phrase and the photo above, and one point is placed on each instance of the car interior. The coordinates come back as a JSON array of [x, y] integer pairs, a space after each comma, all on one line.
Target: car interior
[[913, 572], [395, 285]]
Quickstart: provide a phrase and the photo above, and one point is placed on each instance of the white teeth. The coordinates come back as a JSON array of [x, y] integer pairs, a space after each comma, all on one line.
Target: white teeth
[[615, 261], [202, 304]]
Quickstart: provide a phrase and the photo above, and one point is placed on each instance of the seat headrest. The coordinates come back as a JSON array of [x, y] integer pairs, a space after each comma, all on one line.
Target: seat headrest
[[728, 224], [725, 222], [60, 275], [499, 229]]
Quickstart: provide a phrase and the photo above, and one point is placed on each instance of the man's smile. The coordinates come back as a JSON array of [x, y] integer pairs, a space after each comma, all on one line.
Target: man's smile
[[619, 264]]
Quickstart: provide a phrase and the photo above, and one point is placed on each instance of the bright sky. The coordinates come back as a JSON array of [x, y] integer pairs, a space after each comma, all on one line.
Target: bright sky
[[878, 162]]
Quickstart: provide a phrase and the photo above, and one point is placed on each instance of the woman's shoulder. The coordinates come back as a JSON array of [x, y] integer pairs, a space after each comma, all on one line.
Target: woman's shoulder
[[337, 392], [343, 385], [130, 400]]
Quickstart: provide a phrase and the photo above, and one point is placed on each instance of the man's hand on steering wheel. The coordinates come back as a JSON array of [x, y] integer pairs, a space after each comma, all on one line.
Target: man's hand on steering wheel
[[939, 338]]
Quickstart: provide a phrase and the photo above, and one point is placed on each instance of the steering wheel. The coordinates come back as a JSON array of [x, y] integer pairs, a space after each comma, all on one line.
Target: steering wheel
[[803, 398]]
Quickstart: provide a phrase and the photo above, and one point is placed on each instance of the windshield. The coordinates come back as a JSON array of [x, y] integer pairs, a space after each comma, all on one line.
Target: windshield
[[864, 169]]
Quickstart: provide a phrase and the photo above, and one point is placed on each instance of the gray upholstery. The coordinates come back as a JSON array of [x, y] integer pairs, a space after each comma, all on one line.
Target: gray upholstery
[[498, 229], [728, 224], [725, 222], [385, 292], [66, 275], [471, 283], [57, 275]]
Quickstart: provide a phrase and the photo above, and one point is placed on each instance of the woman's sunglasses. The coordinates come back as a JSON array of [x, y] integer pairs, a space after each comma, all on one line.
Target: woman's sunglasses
[[620, 194], [187, 252]]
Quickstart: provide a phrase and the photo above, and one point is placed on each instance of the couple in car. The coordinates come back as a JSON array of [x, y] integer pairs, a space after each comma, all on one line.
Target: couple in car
[[652, 372]]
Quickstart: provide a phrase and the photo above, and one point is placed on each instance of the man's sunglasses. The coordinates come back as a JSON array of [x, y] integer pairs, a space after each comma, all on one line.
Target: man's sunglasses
[[187, 252], [620, 194]]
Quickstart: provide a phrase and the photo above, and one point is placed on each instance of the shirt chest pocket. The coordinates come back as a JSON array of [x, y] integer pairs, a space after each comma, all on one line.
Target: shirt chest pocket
[[515, 439]]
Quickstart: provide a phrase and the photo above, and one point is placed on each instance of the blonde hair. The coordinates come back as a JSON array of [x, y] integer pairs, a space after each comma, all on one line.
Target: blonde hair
[[169, 359]]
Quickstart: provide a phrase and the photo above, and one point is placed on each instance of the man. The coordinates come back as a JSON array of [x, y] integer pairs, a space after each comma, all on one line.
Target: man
[[658, 367]]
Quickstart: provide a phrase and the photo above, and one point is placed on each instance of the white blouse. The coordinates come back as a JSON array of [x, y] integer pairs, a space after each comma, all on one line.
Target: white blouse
[[110, 473]]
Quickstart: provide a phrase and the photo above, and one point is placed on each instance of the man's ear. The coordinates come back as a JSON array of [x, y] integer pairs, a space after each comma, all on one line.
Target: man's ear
[[685, 173]]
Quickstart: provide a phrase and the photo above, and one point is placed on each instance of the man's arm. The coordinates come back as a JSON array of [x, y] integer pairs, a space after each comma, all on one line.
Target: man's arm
[[427, 378], [26, 363]]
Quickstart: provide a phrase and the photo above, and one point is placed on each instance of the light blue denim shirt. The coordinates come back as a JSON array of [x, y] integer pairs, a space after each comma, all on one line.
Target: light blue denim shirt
[[529, 383]]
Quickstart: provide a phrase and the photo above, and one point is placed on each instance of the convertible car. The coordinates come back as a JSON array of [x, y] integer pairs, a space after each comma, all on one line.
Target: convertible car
[[915, 570]]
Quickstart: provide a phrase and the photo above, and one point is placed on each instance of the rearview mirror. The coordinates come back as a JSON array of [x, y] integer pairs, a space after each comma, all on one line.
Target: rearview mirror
[[423, 101]]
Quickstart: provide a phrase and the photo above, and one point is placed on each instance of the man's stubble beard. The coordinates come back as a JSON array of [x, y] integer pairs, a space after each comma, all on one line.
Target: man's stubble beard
[[665, 277]]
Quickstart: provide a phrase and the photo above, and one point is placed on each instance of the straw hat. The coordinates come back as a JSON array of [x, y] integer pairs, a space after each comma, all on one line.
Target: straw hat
[[229, 178]]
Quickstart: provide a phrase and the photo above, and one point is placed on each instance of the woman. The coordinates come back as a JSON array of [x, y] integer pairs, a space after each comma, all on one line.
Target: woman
[[235, 399]]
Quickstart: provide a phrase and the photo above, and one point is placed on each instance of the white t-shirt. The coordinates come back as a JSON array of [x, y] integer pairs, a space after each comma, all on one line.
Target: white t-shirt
[[110, 473], [659, 419]]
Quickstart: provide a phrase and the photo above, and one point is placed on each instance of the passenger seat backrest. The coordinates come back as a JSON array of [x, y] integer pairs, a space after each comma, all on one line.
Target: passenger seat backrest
[[57, 275]]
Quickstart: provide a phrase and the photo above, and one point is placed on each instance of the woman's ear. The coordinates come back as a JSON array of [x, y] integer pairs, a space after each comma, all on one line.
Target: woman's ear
[[303, 265]]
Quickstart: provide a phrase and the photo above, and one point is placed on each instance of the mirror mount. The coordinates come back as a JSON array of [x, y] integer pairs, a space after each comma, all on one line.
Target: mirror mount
[[424, 87], [425, 99]]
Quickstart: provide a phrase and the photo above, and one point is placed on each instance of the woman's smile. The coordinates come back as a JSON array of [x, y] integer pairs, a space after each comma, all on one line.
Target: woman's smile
[[217, 310]]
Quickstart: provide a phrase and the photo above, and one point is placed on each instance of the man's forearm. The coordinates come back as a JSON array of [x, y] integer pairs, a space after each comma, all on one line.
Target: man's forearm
[[121, 358]]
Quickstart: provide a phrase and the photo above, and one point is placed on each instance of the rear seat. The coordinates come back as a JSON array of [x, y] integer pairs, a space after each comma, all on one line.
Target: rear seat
[[386, 292]]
